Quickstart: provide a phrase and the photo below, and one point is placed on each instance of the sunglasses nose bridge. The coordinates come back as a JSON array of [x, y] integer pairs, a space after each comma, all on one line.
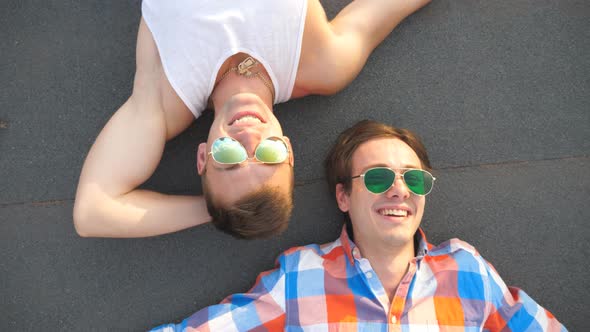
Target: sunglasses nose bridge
[[397, 187], [397, 176], [250, 148]]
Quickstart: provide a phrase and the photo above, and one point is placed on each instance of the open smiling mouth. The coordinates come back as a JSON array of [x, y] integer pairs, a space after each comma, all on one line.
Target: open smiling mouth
[[393, 212], [246, 118]]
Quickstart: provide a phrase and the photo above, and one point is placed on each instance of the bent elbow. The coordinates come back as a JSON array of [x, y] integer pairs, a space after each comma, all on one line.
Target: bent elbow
[[81, 219]]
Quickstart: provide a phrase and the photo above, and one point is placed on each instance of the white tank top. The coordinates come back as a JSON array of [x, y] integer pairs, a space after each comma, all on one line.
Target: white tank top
[[195, 37]]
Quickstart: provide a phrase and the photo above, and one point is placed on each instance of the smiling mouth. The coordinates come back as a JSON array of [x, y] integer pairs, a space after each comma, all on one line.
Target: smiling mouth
[[393, 212], [246, 118]]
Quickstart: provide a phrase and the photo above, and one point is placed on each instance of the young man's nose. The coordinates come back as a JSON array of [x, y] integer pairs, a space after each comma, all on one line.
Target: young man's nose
[[249, 139], [398, 188]]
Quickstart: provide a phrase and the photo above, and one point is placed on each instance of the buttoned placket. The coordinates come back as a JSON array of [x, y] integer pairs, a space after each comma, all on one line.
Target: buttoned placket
[[372, 281], [394, 316], [396, 310]]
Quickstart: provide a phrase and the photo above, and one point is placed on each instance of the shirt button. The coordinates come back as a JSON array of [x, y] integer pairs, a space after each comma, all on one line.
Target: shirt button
[[369, 275], [355, 253], [393, 319]]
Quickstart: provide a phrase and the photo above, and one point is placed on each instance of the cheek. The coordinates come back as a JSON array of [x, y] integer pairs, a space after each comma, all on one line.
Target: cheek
[[217, 128], [360, 202], [420, 202]]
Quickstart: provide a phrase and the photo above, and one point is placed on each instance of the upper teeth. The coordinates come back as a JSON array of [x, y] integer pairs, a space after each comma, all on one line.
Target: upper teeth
[[394, 212], [248, 118]]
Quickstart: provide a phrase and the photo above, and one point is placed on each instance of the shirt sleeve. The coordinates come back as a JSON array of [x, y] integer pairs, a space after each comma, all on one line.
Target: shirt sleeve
[[262, 308], [513, 310]]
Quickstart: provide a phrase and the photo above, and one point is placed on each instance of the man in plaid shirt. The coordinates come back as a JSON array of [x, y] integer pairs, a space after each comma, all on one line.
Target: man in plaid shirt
[[381, 274]]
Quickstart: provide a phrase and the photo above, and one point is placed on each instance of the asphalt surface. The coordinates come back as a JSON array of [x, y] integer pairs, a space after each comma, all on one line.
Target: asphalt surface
[[498, 90]]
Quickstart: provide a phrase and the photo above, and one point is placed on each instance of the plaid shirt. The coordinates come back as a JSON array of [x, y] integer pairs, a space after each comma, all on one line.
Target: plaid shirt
[[332, 288]]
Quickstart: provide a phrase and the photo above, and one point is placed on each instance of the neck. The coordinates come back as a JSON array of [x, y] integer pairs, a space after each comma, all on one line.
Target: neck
[[390, 264], [235, 84], [238, 74]]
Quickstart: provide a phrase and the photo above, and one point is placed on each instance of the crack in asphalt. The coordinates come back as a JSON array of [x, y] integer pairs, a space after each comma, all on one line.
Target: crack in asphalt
[[321, 179]]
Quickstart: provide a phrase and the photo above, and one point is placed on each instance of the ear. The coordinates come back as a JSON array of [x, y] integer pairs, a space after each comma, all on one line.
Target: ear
[[291, 157], [201, 158], [342, 198]]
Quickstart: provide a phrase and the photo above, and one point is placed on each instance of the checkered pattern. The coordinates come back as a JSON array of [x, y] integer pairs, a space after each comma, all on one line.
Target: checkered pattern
[[331, 288]]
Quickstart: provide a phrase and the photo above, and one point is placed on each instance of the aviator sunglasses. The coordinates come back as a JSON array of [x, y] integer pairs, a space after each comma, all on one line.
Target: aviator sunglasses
[[229, 151], [379, 179]]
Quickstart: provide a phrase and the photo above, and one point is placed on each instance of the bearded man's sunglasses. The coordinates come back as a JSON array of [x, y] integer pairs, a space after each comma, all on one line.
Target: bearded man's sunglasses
[[227, 151], [379, 179]]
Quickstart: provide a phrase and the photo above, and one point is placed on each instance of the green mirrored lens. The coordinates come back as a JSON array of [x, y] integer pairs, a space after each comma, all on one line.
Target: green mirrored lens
[[418, 181], [378, 180], [271, 150], [226, 150]]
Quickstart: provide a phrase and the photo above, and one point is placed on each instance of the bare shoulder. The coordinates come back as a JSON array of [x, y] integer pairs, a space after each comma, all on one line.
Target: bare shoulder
[[317, 33], [334, 52], [329, 60], [152, 90]]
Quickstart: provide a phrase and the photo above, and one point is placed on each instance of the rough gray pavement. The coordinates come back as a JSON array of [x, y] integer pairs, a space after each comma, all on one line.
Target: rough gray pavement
[[499, 91]]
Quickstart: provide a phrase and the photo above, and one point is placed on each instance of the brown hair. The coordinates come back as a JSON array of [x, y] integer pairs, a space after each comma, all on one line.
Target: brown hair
[[338, 163], [258, 214]]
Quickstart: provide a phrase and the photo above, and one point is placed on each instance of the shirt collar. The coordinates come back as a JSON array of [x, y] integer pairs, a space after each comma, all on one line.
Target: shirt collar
[[423, 245], [420, 238], [347, 244]]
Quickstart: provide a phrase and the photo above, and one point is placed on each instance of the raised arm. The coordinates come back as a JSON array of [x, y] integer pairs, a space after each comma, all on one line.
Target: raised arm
[[334, 52], [126, 153]]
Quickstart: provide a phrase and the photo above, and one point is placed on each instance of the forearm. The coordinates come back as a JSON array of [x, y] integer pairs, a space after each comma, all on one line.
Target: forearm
[[139, 213]]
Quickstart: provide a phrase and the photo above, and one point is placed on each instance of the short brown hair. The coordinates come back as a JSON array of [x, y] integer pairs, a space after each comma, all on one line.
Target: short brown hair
[[258, 214], [338, 163]]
